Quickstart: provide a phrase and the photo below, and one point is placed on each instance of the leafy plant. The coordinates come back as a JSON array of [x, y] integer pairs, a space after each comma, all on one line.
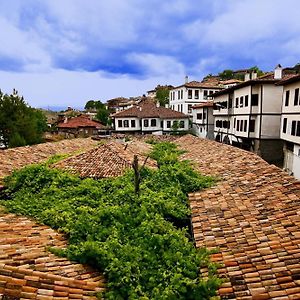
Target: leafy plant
[[134, 240]]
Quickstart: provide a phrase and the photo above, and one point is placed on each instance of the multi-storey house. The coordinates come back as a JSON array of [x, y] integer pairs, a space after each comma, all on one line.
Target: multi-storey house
[[203, 120], [248, 115], [182, 98], [290, 124], [148, 117]]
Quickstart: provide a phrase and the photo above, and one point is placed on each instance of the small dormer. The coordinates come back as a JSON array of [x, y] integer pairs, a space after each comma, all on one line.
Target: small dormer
[[278, 72]]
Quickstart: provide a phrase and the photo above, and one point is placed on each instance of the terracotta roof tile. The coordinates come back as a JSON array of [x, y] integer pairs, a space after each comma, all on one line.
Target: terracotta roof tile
[[206, 104], [148, 109], [16, 158], [80, 121], [108, 160], [252, 216], [29, 271]]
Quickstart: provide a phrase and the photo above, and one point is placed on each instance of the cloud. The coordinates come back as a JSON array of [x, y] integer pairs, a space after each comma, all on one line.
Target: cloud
[[139, 42]]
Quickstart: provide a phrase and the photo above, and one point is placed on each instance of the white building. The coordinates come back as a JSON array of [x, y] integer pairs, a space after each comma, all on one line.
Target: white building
[[183, 97], [147, 117], [203, 120], [290, 124], [248, 115]]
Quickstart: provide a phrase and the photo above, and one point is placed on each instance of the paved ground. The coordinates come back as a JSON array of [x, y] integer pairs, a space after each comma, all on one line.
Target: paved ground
[[252, 216]]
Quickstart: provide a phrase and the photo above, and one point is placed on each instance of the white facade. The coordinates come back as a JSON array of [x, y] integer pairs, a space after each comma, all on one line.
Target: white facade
[[203, 121], [290, 127], [252, 111], [248, 115], [150, 125], [182, 98]]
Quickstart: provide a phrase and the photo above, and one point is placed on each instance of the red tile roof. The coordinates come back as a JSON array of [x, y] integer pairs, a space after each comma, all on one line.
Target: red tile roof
[[207, 104], [148, 109], [203, 84], [108, 160], [16, 158], [80, 121], [29, 271], [289, 79], [252, 215]]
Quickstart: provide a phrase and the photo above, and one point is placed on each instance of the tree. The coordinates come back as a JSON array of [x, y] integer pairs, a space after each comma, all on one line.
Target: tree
[[226, 74], [19, 123], [92, 104], [257, 70], [162, 95], [103, 116]]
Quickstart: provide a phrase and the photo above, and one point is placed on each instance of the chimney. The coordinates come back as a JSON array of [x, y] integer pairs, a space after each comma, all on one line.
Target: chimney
[[186, 79], [278, 72], [253, 75], [247, 76]]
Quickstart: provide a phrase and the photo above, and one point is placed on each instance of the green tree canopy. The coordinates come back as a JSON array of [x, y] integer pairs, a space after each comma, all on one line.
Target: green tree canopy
[[162, 95], [19, 123], [94, 104], [226, 74]]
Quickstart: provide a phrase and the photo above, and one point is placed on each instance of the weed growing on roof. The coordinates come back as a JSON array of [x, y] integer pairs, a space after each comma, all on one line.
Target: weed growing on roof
[[132, 239]]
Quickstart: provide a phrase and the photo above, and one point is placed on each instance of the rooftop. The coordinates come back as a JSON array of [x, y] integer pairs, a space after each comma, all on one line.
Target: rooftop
[[80, 121], [108, 160], [16, 158], [207, 104], [147, 109], [29, 271], [252, 215], [210, 84]]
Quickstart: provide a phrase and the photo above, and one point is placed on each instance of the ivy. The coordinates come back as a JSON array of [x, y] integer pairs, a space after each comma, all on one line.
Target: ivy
[[138, 242]]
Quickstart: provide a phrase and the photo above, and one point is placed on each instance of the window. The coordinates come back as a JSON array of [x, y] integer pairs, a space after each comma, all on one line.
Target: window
[[236, 102], [230, 103], [211, 92], [181, 107], [199, 116], [287, 98], [205, 94], [254, 100], [204, 116], [196, 94], [153, 122], [225, 124], [181, 124], [296, 97], [252, 126], [284, 125], [132, 123], [241, 101], [234, 121], [246, 100], [181, 94], [126, 123], [146, 123], [189, 108], [238, 125], [298, 128], [190, 94], [228, 125], [168, 124], [242, 125], [245, 126], [178, 94], [161, 124], [293, 131], [120, 124]]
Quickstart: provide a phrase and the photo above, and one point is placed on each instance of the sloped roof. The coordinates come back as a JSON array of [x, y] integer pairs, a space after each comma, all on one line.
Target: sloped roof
[[201, 84], [16, 158], [148, 109], [289, 79], [108, 160], [29, 271], [80, 121], [267, 78], [206, 104], [252, 215]]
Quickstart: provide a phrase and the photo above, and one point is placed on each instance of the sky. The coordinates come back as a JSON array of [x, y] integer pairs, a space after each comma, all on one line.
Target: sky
[[66, 52]]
